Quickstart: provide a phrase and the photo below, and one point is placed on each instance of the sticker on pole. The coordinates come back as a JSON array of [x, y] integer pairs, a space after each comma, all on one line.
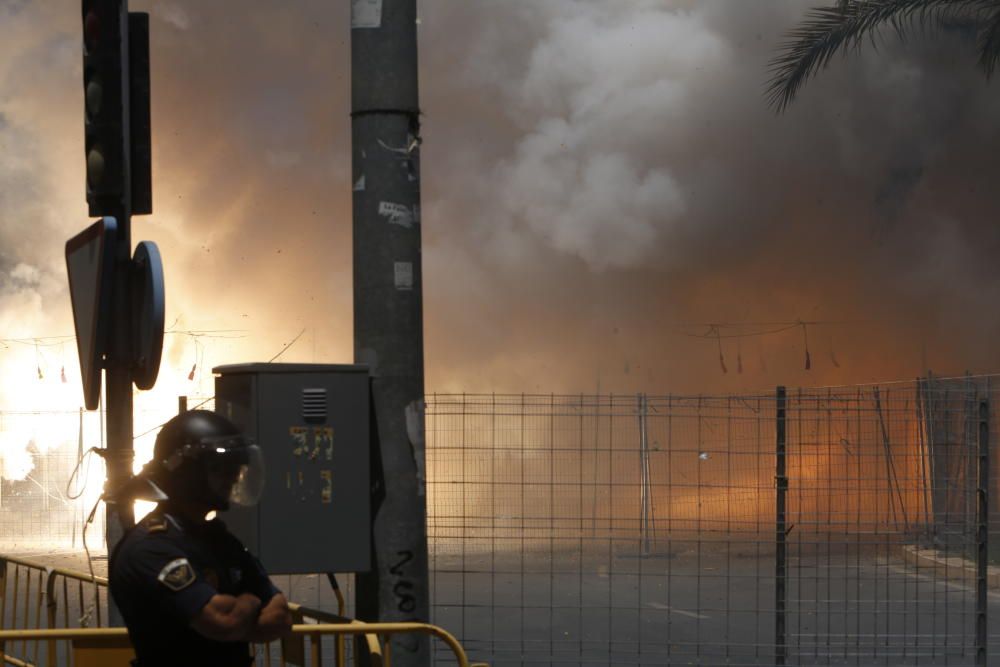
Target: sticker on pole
[[366, 14], [90, 265]]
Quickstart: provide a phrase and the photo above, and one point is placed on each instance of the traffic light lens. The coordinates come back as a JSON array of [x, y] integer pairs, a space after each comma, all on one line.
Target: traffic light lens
[[91, 30], [94, 98], [95, 168]]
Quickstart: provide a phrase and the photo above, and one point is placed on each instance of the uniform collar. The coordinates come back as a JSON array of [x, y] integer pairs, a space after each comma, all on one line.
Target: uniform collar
[[186, 524]]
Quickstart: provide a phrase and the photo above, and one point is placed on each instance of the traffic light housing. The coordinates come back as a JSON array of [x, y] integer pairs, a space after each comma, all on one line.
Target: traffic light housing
[[140, 139], [105, 85]]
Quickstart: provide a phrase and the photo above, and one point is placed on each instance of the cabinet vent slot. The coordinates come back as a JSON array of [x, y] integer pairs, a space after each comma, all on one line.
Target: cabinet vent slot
[[314, 405]]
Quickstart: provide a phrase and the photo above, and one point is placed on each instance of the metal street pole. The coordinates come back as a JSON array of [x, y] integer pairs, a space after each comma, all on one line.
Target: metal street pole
[[118, 378], [388, 305], [118, 396], [107, 119]]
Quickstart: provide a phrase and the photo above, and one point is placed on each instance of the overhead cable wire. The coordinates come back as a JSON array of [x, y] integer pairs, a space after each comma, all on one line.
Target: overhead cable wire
[[285, 349], [714, 330], [716, 333]]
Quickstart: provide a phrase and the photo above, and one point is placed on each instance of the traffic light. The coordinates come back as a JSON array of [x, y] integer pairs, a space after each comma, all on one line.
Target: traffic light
[[106, 119], [140, 141]]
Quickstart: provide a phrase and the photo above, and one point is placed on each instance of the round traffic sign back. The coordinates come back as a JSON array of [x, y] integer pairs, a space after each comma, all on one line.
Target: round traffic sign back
[[147, 314]]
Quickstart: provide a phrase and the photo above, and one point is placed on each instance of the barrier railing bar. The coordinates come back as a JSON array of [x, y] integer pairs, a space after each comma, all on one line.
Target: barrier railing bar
[[13, 603], [47, 594], [38, 614], [982, 534], [3, 603], [80, 604], [45, 579], [17, 662], [73, 574], [51, 611], [313, 631], [372, 641]]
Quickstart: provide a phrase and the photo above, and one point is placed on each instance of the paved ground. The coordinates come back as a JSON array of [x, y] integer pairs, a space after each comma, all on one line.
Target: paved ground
[[707, 604]]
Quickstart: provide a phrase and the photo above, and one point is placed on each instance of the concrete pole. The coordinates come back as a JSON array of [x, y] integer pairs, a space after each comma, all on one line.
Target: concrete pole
[[388, 305]]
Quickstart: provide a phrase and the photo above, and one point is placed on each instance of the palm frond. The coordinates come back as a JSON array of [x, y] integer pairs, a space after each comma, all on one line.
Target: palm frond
[[828, 30], [989, 43]]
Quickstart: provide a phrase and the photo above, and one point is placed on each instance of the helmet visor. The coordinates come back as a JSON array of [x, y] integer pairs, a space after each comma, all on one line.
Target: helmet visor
[[249, 484], [238, 476]]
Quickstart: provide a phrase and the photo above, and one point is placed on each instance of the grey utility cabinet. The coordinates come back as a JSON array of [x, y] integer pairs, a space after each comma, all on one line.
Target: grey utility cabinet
[[312, 423]]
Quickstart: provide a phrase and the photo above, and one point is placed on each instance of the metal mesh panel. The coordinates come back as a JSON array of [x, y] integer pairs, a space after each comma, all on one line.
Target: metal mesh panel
[[603, 529], [870, 573], [647, 530], [841, 526], [39, 451]]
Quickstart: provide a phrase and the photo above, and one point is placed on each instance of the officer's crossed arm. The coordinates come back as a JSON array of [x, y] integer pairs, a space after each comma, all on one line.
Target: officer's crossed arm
[[260, 615], [159, 572], [187, 593], [275, 619], [274, 622], [227, 618]]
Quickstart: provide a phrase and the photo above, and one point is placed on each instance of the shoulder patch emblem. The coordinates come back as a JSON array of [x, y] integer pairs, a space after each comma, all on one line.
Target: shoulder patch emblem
[[177, 574]]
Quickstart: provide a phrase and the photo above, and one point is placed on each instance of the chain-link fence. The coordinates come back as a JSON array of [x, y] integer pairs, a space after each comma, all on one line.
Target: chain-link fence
[[608, 529], [842, 526], [882, 530], [38, 454], [50, 479], [830, 527]]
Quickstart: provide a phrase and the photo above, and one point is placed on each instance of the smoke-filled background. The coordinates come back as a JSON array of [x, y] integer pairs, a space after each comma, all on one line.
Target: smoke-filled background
[[601, 180]]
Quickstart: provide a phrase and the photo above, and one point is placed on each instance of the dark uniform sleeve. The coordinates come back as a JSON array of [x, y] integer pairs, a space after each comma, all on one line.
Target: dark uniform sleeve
[[160, 573], [257, 581]]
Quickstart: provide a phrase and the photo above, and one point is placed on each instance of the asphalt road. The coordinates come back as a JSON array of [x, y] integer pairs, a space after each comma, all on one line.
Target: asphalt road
[[700, 604], [711, 604]]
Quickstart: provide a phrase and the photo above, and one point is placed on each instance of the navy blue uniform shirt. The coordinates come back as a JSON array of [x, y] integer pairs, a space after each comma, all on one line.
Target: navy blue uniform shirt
[[164, 571]]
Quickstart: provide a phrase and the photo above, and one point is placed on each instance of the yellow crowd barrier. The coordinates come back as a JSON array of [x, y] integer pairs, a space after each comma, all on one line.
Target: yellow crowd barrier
[[108, 647], [35, 588]]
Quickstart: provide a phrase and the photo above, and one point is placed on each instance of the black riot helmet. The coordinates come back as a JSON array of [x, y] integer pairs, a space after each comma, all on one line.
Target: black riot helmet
[[203, 457]]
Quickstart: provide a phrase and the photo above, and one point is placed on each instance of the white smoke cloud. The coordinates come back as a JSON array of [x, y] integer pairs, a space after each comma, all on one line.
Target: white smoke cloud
[[16, 461], [597, 206], [599, 88], [634, 136], [600, 169], [172, 14]]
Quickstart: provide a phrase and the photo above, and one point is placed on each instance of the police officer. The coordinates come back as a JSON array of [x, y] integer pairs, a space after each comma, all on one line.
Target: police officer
[[189, 592]]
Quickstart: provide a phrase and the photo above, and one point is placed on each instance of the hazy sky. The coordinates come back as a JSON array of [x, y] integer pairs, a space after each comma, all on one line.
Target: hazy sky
[[600, 178]]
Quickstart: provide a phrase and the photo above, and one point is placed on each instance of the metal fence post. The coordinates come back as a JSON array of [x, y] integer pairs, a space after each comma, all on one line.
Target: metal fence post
[[780, 531], [982, 532], [645, 501]]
